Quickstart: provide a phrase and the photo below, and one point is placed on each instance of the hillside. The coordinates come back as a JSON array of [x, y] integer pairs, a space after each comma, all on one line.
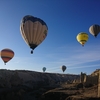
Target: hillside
[[31, 85]]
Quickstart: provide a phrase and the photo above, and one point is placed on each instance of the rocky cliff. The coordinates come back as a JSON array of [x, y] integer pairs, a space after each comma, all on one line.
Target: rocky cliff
[[29, 85], [32, 79]]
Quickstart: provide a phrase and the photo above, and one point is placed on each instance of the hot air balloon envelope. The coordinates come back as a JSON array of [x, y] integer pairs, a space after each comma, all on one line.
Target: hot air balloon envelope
[[6, 55], [33, 30], [44, 69], [94, 30], [82, 38], [63, 68]]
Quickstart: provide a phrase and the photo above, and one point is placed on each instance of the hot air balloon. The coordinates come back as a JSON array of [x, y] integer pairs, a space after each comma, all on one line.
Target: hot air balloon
[[33, 30], [6, 55], [82, 38], [63, 68], [44, 69], [94, 30]]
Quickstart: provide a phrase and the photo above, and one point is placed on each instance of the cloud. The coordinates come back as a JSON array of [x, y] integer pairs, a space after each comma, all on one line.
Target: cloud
[[95, 65], [74, 56]]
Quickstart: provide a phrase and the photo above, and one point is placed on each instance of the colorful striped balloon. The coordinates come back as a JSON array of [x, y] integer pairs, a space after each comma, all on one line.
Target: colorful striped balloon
[[6, 55]]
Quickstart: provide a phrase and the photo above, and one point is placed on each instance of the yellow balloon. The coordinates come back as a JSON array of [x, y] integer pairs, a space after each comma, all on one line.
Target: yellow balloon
[[82, 38]]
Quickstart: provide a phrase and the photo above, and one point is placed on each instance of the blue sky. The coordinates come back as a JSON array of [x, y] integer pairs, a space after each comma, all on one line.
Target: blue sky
[[65, 19]]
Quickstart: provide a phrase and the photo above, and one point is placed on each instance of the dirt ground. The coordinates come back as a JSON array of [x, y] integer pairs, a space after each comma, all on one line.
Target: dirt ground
[[72, 92]]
